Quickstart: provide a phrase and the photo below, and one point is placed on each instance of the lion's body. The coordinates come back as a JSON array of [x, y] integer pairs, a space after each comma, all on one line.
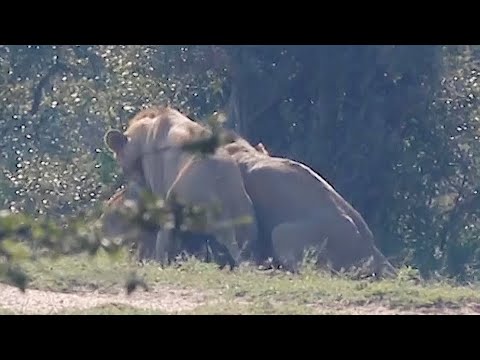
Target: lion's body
[[152, 145], [115, 224], [297, 209]]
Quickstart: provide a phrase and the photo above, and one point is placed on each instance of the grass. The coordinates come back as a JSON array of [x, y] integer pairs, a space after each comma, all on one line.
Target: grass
[[246, 290]]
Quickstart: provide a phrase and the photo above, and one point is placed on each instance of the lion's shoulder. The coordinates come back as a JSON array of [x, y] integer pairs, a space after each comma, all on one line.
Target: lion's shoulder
[[156, 111]]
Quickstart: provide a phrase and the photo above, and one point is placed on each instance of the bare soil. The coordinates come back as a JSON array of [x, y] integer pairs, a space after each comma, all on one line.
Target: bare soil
[[50, 302]]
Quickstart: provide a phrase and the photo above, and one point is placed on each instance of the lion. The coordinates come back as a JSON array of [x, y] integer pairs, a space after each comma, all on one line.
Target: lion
[[115, 224], [297, 210], [152, 146]]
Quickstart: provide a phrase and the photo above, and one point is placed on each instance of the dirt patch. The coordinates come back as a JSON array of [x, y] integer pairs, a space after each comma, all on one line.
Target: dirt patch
[[376, 309], [163, 299]]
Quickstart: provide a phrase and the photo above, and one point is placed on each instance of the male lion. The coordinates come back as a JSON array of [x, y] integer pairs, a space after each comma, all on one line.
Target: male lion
[[297, 210], [152, 145], [115, 224]]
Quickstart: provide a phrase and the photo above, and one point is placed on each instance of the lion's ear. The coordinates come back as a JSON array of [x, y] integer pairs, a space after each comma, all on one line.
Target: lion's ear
[[115, 140], [261, 148]]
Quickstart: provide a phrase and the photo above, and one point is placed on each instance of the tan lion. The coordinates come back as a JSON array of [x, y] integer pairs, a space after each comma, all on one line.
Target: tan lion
[[115, 224], [297, 210], [152, 144]]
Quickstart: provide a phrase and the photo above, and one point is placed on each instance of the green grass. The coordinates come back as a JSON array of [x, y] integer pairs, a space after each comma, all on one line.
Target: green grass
[[246, 290]]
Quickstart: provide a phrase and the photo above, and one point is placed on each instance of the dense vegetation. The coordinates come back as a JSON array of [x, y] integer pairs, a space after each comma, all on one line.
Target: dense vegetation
[[394, 128]]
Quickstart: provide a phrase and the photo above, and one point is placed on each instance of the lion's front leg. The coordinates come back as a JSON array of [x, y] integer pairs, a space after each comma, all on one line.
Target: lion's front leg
[[163, 246], [226, 237]]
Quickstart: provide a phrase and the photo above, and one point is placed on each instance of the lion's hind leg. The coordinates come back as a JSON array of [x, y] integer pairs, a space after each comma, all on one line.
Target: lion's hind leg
[[167, 245], [293, 242], [332, 235]]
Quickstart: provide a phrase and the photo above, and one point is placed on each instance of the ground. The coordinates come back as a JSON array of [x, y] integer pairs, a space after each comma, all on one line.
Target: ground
[[84, 285]]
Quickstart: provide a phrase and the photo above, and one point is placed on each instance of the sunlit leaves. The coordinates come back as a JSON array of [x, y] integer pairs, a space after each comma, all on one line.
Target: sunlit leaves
[[44, 155]]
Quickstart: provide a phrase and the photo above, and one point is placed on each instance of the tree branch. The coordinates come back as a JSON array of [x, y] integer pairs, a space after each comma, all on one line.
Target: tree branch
[[459, 207], [38, 90]]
